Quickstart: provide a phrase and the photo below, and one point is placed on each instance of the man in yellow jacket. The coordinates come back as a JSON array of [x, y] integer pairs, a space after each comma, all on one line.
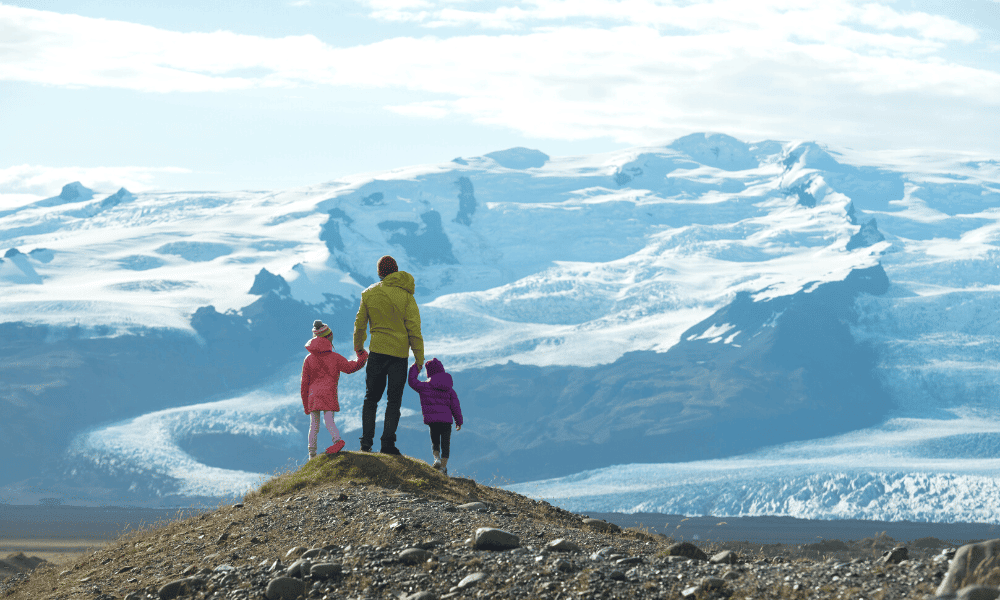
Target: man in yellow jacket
[[388, 306]]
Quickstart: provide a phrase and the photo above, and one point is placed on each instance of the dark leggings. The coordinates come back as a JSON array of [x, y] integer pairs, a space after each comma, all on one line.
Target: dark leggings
[[441, 437]]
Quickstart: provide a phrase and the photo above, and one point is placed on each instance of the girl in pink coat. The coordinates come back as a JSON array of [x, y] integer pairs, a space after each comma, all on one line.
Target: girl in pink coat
[[320, 375]]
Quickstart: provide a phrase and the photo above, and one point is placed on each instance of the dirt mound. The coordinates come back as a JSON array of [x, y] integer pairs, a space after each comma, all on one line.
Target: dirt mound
[[18, 563]]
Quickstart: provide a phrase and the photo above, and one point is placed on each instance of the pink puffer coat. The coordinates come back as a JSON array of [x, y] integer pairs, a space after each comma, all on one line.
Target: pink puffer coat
[[321, 372]]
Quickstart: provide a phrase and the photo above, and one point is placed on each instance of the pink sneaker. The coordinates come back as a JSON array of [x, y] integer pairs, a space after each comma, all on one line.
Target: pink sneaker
[[335, 448]]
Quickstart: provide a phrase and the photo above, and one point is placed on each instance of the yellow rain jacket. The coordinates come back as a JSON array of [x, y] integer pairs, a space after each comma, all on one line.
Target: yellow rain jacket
[[395, 319]]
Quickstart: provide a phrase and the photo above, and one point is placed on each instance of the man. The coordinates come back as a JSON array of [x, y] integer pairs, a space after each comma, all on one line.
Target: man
[[388, 306]]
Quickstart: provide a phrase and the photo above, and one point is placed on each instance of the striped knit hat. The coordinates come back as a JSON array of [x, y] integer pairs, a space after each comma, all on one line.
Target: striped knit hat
[[321, 330]]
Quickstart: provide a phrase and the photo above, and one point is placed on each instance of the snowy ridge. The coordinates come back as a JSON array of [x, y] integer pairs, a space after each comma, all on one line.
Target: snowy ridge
[[546, 262]]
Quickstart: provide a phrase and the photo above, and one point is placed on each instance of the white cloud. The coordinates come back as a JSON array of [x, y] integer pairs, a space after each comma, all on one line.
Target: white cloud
[[46, 182], [69, 50], [430, 110], [636, 71]]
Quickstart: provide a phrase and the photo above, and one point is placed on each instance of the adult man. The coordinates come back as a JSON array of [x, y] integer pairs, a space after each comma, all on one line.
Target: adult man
[[388, 306]]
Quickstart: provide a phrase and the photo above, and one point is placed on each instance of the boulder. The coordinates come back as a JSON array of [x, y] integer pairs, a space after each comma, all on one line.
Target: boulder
[[488, 538], [973, 564], [285, 588], [687, 550]]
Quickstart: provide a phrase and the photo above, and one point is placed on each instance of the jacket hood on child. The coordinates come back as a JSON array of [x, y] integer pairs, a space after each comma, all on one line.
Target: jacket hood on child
[[438, 378], [318, 345]]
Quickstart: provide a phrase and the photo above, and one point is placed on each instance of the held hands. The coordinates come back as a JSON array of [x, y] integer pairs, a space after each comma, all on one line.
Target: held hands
[[458, 428]]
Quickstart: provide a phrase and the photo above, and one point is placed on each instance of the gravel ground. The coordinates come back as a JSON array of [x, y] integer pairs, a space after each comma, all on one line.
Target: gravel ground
[[369, 526]]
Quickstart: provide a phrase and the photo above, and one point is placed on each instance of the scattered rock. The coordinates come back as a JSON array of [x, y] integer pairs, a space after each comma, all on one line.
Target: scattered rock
[[326, 570], [474, 506], [563, 565], [726, 557], [563, 545], [488, 538], [712, 583], [894, 556], [602, 525], [414, 555], [285, 588], [687, 550], [299, 568], [421, 596], [472, 579], [179, 587]]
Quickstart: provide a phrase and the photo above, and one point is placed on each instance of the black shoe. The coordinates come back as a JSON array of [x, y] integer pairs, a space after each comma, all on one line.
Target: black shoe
[[365, 448], [390, 450]]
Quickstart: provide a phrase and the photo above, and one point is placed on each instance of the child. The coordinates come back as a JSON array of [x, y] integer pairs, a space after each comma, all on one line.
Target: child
[[320, 374], [438, 402]]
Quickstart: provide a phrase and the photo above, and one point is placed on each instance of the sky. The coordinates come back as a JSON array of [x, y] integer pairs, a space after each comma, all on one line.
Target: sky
[[275, 94]]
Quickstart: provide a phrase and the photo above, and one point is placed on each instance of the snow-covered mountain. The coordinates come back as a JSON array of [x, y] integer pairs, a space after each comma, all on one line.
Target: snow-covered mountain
[[708, 326]]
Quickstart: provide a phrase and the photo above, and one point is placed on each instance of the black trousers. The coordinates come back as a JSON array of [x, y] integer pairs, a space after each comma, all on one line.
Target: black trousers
[[382, 370], [441, 438]]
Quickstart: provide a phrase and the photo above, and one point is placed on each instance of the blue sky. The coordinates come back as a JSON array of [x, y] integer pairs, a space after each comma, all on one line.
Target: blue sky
[[270, 94]]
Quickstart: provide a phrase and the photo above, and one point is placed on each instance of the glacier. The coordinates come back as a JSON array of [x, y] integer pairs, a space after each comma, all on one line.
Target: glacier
[[532, 271]]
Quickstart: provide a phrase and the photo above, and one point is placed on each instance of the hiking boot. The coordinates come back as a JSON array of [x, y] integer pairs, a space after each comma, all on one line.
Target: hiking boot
[[336, 447], [437, 464], [365, 447], [444, 471], [312, 452], [390, 450]]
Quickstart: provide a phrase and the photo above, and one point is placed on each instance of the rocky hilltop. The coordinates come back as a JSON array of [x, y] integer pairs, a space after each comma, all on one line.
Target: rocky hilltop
[[377, 526]]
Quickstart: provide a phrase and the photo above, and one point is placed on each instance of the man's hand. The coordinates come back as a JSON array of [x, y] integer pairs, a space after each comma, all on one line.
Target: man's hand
[[420, 367]]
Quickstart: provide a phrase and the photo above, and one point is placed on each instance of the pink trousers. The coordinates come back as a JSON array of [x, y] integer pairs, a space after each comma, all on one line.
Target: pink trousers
[[314, 426]]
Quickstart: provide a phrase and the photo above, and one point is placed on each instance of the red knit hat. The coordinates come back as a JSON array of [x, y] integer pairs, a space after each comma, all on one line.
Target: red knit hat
[[321, 330], [386, 266]]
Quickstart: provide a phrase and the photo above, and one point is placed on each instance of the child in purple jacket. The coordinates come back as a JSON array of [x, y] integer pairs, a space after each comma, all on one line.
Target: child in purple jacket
[[438, 402]]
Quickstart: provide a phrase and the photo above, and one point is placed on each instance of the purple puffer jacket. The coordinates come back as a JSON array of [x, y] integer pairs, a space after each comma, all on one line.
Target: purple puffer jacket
[[437, 398]]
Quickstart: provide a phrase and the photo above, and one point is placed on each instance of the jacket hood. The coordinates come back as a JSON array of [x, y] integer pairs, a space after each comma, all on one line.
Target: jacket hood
[[436, 375], [434, 367], [400, 279], [319, 345], [441, 381]]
